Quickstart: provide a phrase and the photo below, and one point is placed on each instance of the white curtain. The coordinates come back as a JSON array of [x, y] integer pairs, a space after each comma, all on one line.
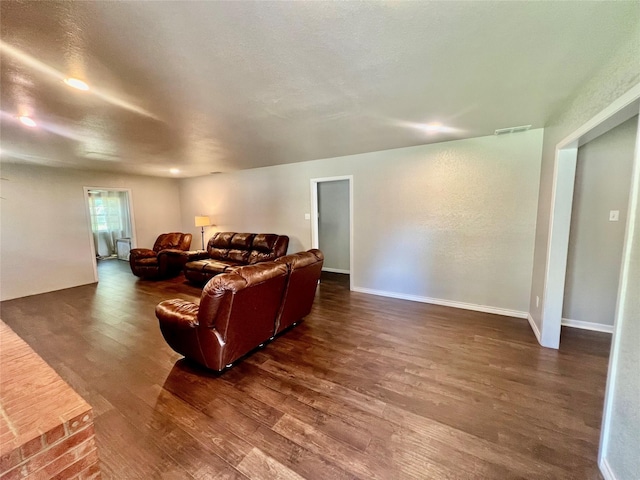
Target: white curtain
[[109, 219]]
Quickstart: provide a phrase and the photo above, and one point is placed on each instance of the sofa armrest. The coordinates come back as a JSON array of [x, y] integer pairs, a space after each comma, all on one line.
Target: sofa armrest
[[172, 251], [178, 313], [142, 253], [193, 255]]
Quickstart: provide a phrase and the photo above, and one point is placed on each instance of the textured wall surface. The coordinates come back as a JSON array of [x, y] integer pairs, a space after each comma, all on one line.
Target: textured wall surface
[[452, 221], [595, 244], [45, 230], [623, 388], [615, 78], [333, 223]]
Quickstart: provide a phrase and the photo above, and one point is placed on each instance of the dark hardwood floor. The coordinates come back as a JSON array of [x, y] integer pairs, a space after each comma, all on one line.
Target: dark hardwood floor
[[366, 387]]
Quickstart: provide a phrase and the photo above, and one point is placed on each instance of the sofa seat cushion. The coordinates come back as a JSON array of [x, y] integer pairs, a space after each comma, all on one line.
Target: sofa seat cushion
[[210, 266], [215, 266]]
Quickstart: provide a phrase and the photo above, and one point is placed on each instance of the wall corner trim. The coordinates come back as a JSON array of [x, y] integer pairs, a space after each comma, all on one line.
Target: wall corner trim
[[534, 327], [606, 471], [596, 327], [444, 303]]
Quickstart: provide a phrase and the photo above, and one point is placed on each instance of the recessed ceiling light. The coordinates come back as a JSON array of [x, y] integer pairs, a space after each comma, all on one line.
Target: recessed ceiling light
[[174, 170], [27, 121], [434, 127], [75, 83]]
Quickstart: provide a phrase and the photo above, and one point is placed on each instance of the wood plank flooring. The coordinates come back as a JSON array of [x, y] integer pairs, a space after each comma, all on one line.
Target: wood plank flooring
[[365, 388]]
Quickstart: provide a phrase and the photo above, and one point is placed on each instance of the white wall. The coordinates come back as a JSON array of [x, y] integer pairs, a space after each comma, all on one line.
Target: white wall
[[333, 224], [595, 244], [448, 222], [614, 79], [619, 454], [45, 242]]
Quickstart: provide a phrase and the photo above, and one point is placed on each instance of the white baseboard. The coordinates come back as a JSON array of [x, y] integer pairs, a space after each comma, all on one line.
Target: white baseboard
[[596, 327], [445, 303], [335, 270], [606, 471], [534, 327]]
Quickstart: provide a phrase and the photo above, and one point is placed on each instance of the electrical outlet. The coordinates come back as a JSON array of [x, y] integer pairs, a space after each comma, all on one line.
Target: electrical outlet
[[307, 216], [614, 215]]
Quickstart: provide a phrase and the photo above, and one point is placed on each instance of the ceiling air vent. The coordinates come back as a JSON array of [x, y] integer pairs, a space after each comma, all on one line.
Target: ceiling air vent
[[504, 131]]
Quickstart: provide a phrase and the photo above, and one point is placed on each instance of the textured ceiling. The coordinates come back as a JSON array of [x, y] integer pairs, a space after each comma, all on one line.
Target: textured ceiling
[[220, 86]]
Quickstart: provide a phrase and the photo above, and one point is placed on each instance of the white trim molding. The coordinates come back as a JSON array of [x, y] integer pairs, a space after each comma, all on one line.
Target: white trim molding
[[606, 471], [534, 327], [314, 217], [335, 270], [445, 303], [596, 327]]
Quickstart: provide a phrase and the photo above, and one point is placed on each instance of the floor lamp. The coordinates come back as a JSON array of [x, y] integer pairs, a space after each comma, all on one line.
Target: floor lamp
[[202, 222]]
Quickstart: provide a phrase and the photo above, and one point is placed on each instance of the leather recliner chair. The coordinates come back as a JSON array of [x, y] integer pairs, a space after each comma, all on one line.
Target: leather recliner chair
[[166, 259]]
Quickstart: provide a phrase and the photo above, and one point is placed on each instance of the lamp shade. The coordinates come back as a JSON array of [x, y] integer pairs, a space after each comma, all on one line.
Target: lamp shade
[[203, 221]]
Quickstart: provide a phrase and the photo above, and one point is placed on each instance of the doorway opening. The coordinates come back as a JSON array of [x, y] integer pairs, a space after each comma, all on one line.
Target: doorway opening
[[111, 223], [332, 225], [598, 221], [562, 203]]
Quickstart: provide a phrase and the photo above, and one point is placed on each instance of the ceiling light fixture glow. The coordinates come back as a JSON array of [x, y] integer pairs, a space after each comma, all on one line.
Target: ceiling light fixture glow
[[27, 121], [434, 127], [174, 170], [75, 83]]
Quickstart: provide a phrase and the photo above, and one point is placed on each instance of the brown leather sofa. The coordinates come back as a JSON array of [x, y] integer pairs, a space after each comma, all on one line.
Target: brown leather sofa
[[304, 272], [166, 259], [241, 309], [226, 250]]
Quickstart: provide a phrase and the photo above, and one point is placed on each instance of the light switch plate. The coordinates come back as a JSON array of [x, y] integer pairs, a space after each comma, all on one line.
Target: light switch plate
[[614, 215], [307, 216]]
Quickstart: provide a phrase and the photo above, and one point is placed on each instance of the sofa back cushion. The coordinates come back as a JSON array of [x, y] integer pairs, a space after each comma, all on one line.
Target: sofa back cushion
[[304, 272], [247, 248], [240, 247], [173, 240], [268, 246], [242, 307]]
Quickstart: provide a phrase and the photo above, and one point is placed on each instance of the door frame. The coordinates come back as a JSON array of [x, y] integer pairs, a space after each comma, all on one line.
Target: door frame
[[566, 155], [92, 245], [314, 216], [566, 152]]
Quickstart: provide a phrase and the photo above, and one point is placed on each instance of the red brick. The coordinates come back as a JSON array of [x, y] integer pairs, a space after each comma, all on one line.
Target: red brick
[[53, 452], [55, 434], [10, 460], [79, 422], [66, 461], [51, 469], [91, 473], [80, 465], [34, 398], [30, 448], [15, 474]]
